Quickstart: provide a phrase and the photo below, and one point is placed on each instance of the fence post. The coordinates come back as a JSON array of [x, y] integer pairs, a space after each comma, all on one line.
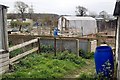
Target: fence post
[[38, 45], [77, 47], [61, 45], [98, 39], [89, 45]]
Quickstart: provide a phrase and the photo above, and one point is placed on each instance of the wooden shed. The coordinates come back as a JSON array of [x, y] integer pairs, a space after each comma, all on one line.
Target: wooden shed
[[4, 54], [117, 14]]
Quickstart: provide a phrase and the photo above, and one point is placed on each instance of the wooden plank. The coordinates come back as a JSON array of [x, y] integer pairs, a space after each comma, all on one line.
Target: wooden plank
[[108, 36], [22, 45], [4, 59], [2, 50], [35, 36], [3, 71], [4, 63], [77, 47], [4, 55], [89, 46], [4, 68], [38, 45], [23, 54]]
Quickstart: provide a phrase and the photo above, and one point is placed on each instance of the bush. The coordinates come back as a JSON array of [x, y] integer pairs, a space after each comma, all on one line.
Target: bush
[[86, 55], [69, 57], [47, 49]]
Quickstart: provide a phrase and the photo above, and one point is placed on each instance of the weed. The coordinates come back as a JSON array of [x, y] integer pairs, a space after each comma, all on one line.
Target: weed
[[46, 66]]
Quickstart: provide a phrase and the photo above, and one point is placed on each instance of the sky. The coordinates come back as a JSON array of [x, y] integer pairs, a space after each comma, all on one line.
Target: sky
[[64, 7]]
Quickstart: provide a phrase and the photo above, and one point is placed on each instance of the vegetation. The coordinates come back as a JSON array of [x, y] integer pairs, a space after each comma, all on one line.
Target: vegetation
[[50, 66], [86, 76], [46, 66], [47, 49], [81, 11], [86, 55], [15, 52], [19, 24], [21, 8]]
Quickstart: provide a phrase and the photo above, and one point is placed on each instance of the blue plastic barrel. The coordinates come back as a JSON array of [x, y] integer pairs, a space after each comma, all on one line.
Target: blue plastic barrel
[[104, 60]]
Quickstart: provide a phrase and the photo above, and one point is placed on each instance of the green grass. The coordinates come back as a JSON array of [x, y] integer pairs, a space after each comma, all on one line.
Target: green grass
[[88, 72], [46, 66]]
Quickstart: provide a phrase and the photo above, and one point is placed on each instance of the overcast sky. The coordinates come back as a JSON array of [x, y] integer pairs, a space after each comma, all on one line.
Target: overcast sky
[[64, 7]]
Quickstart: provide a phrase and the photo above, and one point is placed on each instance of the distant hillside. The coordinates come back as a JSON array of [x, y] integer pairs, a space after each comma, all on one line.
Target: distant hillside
[[33, 16]]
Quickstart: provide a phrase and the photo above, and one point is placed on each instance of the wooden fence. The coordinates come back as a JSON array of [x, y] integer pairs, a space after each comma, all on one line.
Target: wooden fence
[[12, 60], [23, 41], [25, 53]]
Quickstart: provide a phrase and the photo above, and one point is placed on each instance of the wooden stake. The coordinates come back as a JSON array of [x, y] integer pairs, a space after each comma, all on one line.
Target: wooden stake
[[55, 46], [38, 45]]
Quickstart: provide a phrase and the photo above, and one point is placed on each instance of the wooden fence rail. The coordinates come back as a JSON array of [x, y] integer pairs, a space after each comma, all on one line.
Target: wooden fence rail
[[12, 60], [25, 53], [22, 55], [22, 45]]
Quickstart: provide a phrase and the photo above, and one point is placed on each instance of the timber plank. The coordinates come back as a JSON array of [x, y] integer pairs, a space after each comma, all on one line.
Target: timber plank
[[23, 54], [22, 45]]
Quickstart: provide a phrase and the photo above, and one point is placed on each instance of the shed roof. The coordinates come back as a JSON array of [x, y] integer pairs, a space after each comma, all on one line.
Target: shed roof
[[117, 8], [78, 18], [3, 6]]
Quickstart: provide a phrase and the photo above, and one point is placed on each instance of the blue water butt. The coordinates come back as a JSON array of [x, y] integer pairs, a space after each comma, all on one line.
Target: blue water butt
[[104, 60]]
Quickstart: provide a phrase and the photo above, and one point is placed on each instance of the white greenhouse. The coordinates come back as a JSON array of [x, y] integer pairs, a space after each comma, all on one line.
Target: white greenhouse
[[77, 25]]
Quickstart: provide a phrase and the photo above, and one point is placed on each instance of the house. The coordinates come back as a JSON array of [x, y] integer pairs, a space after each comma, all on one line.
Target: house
[[77, 25]]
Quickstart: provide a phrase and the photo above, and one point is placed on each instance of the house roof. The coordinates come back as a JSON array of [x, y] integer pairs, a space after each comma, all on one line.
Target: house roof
[[78, 18], [117, 8]]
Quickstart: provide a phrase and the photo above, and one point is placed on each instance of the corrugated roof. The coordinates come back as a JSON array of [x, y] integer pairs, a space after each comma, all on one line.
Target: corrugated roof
[[78, 18]]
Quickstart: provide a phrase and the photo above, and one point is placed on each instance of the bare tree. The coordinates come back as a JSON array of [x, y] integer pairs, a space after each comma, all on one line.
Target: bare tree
[[93, 14], [103, 14], [21, 8], [30, 11], [81, 11]]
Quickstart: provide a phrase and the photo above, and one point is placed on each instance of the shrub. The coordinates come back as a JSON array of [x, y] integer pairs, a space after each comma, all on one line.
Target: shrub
[[86, 55], [47, 49], [70, 57]]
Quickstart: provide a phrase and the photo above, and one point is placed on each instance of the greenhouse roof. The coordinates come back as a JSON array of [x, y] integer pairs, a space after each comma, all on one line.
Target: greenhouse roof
[[78, 18]]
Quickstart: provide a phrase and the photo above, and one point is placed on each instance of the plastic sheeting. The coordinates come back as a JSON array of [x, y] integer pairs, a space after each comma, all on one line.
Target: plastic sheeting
[[83, 25]]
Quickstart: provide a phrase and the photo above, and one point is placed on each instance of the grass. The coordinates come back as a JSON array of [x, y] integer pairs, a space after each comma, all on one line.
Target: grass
[[46, 66], [88, 72]]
